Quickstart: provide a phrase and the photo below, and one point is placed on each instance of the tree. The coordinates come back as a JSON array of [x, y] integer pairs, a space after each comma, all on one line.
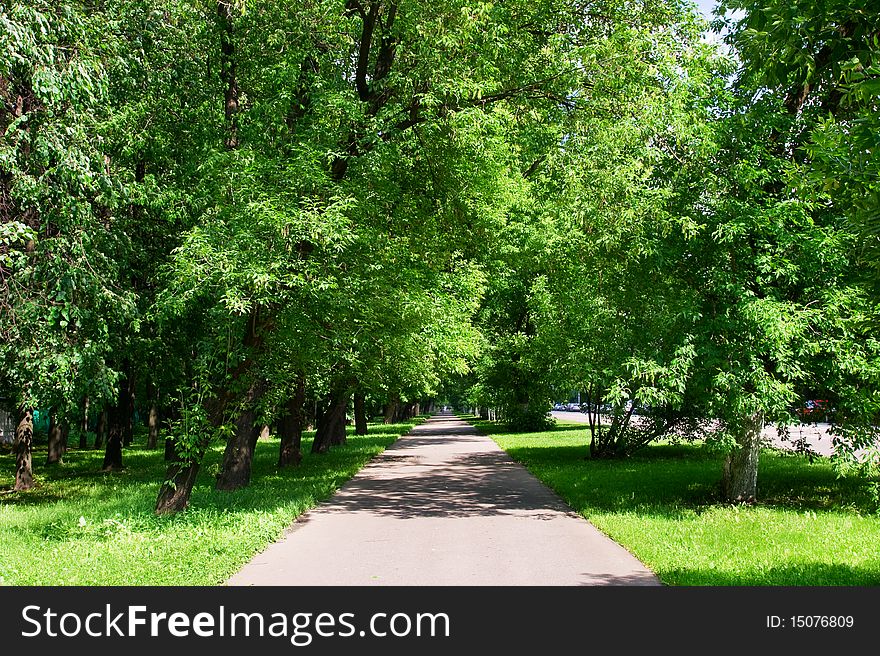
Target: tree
[[580, 299], [24, 440], [60, 289], [324, 193], [782, 309]]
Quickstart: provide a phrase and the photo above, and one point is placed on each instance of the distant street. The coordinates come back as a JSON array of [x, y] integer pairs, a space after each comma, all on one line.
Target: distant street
[[816, 434]]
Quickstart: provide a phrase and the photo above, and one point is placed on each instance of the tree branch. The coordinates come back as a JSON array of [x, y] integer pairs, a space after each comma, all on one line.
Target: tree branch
[[360, 78]]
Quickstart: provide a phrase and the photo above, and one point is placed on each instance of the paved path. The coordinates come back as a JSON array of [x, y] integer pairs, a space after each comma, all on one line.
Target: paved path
[[444, 505]]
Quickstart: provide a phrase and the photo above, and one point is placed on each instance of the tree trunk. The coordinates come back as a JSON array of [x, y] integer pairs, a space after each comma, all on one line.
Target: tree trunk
[[239, 454], [24, 446], [180, 477], [153, 440], [176, 489], [337, 433], [65, 434], [360, 414], [290, 427], [169, 449], [113, 452], [225, 14], [330, 422], [101, 429], [391, 409], [84, 425], [56, 444], [235, 472], [739, 482]]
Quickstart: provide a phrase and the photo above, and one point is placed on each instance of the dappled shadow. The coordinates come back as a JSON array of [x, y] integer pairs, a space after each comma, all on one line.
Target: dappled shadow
[[37, 495], [665, 487], [468, 485], [442, 429], [130, 494], [670, 480]]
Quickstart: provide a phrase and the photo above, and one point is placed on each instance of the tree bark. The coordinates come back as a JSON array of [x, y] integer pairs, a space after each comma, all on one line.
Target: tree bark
[[338, 435], [65, 433], [24, 447], [327, 433], [239, 454], [235, 472], [290, 427], [56, 444], [118, 418], [228, 73], [176, 489], [113, 452], [153, 440], [101, 429], [360, 414], [180, 477], [739, 482], [391, 409]]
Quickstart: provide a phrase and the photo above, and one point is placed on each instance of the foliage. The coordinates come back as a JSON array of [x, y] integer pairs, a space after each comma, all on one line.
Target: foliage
[[61, 290], [208, 203]]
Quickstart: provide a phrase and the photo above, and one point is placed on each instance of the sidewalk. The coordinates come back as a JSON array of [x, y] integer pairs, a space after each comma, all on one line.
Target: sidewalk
[[443, 505]]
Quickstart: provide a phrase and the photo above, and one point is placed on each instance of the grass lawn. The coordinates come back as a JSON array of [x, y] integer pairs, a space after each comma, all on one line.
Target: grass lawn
[[808, 528], [80, 526]]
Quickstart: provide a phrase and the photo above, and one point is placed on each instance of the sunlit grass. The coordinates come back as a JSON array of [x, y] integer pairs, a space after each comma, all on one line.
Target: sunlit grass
[[80, 526], [808, 528]]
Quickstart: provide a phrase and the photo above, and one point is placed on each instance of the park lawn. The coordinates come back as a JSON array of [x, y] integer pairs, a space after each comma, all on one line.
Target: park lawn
[[809, 527], [80, 526]]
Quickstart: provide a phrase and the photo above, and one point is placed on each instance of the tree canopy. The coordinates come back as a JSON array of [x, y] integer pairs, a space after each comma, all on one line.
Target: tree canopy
[[238, 213]]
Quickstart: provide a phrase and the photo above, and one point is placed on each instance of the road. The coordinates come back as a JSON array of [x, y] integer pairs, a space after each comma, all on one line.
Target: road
[[816, 435]]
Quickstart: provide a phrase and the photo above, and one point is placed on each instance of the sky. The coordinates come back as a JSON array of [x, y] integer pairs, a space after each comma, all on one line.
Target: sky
[[706, 6]]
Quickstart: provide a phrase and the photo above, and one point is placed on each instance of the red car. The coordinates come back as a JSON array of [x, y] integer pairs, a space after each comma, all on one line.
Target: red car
[[815, 410]]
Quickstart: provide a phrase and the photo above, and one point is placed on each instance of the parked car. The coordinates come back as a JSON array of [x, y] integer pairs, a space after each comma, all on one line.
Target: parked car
[[815, 410], [559, 406]]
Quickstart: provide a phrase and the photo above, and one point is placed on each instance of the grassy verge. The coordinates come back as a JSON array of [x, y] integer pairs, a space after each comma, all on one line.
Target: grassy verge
[[83, 527], [809, 527]]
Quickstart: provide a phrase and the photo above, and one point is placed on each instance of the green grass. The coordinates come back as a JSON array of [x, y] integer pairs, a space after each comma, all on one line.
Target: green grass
[[808, 528], [80, 526]]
